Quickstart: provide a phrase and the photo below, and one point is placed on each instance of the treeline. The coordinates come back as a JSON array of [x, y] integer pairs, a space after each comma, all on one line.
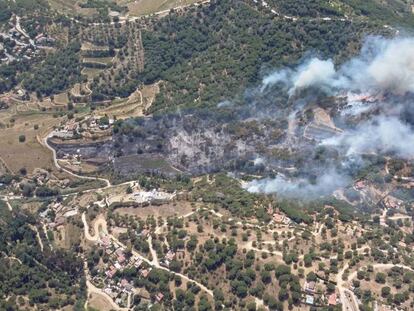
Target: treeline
[[214, 53], [102, 5], [21, 7], [227, 193], [99, 53], [397, 13], [5, 11], [10, 74], [96, 65]]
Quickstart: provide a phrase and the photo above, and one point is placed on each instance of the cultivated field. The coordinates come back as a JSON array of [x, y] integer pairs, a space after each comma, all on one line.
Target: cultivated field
[[71, 7], [166, 210], [147, 7], [99, 302], [30, 153], [134, 106]]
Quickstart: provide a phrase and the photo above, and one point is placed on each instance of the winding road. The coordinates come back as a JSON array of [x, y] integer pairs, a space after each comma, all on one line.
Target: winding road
[[101, 223], [348, 298], [58, 166]]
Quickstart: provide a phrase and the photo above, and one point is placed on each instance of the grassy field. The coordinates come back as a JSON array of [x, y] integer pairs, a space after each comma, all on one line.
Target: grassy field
[[71, 7], [135, 7], [147, 7], [134, 106], [62, 99], [166, 210], [29, 154], [91, 72], [99, 302]]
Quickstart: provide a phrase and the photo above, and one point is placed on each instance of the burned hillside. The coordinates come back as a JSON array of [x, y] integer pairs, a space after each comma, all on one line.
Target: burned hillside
[[304, 131]]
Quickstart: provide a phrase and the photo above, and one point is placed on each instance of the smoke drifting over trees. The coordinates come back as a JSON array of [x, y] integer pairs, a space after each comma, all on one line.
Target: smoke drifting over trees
[[384, 65], [383, 76]]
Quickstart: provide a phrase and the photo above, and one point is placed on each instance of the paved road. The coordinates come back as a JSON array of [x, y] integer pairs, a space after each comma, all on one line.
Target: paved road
[[56, 162], [102, 223], [348, 299]]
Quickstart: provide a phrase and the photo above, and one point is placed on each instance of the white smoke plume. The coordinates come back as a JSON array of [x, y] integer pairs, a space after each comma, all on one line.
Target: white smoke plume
[[385, 65], [299, 188], [314, 72], [379, 135], [259, 161]]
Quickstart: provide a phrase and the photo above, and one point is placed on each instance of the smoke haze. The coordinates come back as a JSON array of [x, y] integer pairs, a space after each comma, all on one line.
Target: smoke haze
[[379, 135], [300, 188], [384, 66]]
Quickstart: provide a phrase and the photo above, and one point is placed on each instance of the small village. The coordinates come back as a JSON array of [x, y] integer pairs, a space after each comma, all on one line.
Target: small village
[[91, 127], [119, 259], [15, 44]]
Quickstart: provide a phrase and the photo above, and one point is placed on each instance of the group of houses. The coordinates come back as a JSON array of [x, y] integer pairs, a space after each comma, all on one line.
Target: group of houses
[[153, 197], [68, 131], [56, 214], [278, 217], [120, 289], [311, 292], [15, 43]]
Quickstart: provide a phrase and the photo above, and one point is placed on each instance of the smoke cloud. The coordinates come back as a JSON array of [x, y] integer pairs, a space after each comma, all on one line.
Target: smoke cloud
[[385, 65], [379, 135], [314, 72], [299, 188]]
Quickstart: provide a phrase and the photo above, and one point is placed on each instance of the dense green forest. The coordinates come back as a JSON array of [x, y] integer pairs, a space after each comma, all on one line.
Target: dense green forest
[[315, 8], [206, 54], [392, 12], [59, 71], [214, 53], [53, 279], [8, 7], [36, 18]]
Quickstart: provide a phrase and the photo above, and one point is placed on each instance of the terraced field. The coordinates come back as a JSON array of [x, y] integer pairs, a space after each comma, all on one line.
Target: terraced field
[[71, 7], [146, 7]]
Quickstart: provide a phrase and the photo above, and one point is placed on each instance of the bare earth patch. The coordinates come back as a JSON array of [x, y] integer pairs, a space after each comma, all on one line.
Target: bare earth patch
[[99, 302]]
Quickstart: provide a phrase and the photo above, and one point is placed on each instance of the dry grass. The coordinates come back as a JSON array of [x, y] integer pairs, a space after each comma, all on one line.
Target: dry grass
[[165, 210], [89, 46], [82, 168], [103, 60], [64, 5], [91, 72], [29, 154], [71, 7], [99, 302], [134, 106], [68, 235], [61, 99], [147, 7]]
